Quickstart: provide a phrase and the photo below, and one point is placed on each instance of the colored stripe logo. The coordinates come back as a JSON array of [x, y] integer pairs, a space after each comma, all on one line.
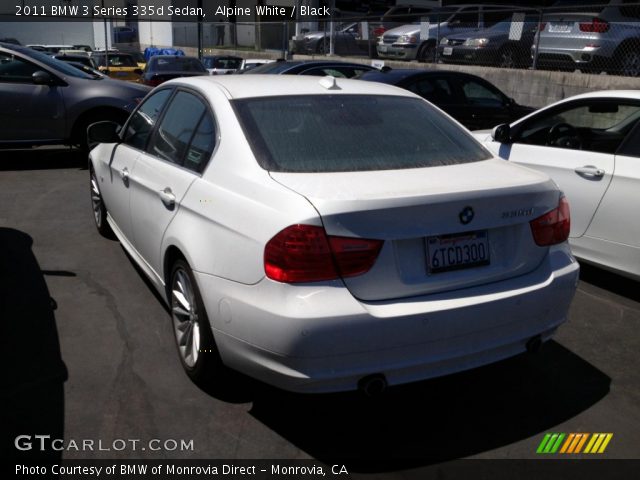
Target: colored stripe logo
[[574, 443]]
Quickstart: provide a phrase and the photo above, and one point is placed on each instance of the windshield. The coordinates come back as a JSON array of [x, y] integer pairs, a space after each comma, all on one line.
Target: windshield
[[174, 64], [505, 25], [60, 66], [580, 5], [351, 133]]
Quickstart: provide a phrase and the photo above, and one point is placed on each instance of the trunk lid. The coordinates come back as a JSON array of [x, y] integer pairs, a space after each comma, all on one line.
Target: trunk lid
[[409, 209]]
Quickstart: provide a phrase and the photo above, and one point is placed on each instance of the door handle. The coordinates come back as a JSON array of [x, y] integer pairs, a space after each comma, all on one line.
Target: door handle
[[590, 171], [168, 198], [124, 174]]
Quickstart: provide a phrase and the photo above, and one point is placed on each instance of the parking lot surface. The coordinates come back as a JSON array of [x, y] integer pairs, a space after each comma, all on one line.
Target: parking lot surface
[[125, 380]]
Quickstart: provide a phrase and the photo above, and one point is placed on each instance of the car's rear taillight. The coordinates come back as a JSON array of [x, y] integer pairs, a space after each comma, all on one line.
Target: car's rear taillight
[[552, 227], [596, 25], [542, 26], [378, 31], [305, 253], [154, 82]]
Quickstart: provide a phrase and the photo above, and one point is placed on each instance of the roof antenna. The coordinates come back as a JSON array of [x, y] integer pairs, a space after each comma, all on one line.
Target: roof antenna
[[329, 82]]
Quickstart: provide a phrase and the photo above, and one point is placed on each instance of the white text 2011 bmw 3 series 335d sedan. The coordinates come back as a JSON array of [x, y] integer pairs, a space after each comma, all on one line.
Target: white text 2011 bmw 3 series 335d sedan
[[323, 234]]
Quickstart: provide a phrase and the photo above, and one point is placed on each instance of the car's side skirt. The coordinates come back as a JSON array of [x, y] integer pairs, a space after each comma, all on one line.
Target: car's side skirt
[[156, 280]]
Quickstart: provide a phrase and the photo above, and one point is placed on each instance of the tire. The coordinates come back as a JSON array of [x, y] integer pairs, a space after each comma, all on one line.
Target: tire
[[427, 53], [98, 207], [508, 58], [628, 60], [191, 329], [323, 46]]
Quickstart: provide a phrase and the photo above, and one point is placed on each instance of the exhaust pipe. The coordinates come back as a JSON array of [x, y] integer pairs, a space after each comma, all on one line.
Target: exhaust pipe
[[372, 385], [534, 344]]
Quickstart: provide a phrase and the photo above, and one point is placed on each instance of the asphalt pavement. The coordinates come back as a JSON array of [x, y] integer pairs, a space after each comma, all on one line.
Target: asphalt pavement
[[123, 379]]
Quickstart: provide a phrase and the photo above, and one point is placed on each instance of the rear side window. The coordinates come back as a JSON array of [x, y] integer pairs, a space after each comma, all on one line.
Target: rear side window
[[478, 94], [349, 133], [177, 127], [436, 90], [202, 144]]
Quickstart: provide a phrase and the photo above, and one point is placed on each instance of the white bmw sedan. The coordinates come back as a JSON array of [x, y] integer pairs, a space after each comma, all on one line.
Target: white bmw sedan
[[590, 145], [324, 235]]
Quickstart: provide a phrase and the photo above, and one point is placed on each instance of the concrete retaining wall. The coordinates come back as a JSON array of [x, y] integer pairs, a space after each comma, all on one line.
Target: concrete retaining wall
[[536, 88]]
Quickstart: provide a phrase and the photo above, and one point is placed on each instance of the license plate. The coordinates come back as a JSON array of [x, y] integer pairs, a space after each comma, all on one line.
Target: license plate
[[122, 74], [457, 251], [447, 51], [383, 48], [560, 27]]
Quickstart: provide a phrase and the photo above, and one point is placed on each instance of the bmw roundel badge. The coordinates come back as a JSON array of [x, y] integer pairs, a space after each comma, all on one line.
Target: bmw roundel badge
[[466, 215]]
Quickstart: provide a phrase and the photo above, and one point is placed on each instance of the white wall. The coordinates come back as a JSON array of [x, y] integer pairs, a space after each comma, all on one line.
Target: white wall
[[66, 33], [155, 34]]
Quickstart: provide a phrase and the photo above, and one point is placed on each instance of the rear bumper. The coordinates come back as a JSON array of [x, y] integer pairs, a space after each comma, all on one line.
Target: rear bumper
[[318, 338], [586, 53]]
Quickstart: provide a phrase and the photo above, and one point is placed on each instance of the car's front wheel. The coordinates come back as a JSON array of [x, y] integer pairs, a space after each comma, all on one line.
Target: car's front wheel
[[194, 338], [99, 209], [427, 53], [508, 58]]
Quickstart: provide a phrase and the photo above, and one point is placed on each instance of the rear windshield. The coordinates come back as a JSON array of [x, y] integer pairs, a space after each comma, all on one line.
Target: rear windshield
[[351, 133], [176, 64], [273, 67], [579, 5], [223, 63]]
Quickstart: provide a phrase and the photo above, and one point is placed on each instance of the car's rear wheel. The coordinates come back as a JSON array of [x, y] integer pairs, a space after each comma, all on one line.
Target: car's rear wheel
[[323, 46], [629, 63], [99, 209], [194, 338]]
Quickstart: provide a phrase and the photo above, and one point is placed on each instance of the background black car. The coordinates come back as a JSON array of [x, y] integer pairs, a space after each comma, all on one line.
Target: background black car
[[471, 100], [319, 68], [161, 68], [506, 44]]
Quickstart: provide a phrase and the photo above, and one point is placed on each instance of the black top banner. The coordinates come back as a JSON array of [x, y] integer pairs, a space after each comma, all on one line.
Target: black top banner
[[162, 11]]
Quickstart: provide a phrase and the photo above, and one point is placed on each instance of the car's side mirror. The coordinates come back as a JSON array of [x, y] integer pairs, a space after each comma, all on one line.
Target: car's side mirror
[[103, 132], [42, 78], [502, 133]]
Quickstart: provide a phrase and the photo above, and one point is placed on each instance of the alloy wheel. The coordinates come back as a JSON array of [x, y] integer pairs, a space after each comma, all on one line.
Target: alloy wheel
[[184, 312], [96, 201]]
